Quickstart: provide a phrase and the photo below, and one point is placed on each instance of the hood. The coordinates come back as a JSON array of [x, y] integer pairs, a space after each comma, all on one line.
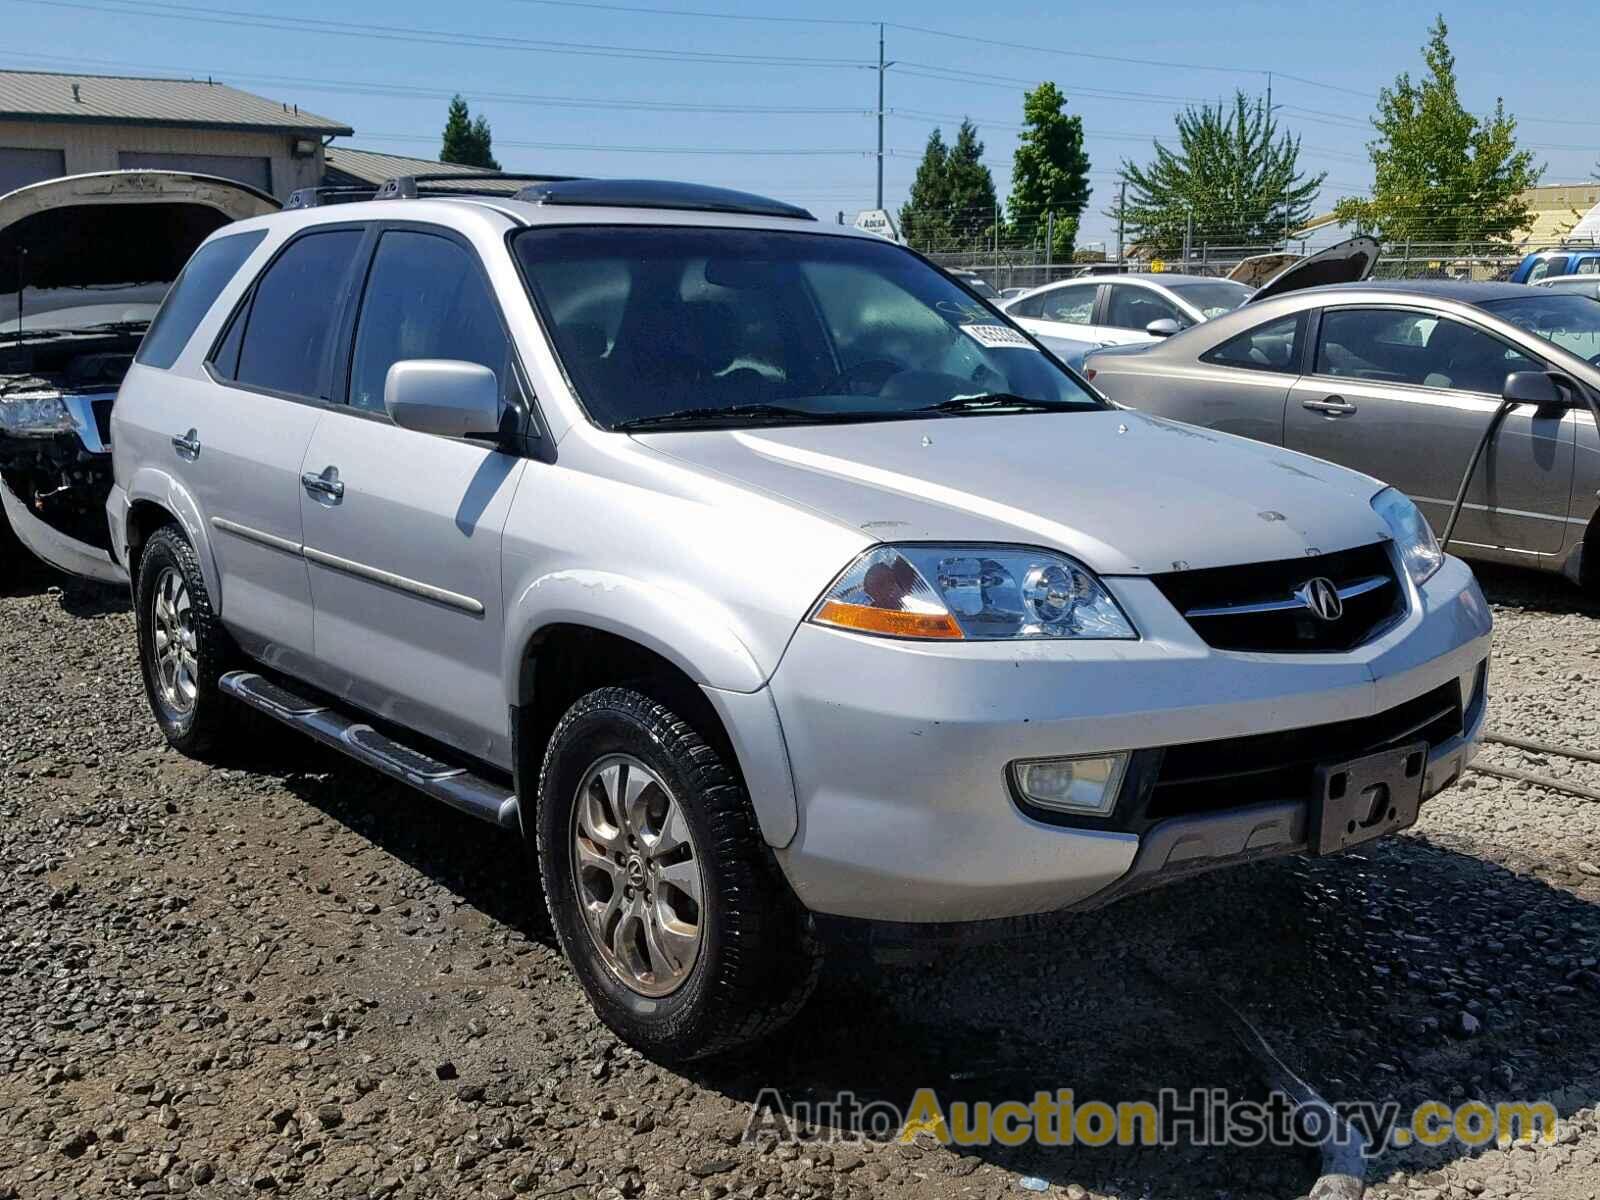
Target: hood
[[1349, 262], [1127, 493], [114, 227]]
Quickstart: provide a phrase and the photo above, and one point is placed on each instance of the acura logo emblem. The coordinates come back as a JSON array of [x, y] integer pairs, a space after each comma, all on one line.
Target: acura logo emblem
[[1322, 598]]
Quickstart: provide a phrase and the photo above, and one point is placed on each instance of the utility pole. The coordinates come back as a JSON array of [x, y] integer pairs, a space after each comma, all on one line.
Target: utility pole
[[1188, 235], [1049, 242], [1122, 204], [882, 67]]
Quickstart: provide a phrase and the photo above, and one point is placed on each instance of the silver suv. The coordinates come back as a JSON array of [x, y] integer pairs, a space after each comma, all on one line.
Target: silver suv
[[771, 585]]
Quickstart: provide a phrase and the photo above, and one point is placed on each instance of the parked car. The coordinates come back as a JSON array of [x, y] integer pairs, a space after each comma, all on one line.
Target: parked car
[[84, 262], [1579, 285], [1137, 309], [1399, 380], [1548, 264], [977, 283], [775, 593]]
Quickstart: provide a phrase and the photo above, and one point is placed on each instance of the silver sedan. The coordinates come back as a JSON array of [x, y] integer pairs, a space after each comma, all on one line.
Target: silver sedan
[[1400, 380]]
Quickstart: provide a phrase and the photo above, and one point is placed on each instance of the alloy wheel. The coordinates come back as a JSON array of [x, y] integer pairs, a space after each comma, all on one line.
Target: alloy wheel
[[174, 641], [637, 873]]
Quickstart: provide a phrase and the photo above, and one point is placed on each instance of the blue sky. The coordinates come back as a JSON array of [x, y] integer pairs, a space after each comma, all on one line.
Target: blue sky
[[387, 72]]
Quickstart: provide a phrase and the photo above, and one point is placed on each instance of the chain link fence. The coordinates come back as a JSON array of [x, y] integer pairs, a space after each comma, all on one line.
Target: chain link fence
[[1013, 266]]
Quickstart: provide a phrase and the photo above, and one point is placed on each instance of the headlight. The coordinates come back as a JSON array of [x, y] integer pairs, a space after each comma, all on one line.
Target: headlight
[[1413, 537], [977, 593], [36, 415]]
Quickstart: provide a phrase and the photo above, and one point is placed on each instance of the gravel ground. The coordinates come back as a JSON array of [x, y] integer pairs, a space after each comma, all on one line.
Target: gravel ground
[[291, 976]]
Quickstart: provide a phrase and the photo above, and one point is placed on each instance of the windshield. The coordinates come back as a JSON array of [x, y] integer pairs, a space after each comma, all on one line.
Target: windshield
[[1214, 297], [1571, 322], [673, 326]]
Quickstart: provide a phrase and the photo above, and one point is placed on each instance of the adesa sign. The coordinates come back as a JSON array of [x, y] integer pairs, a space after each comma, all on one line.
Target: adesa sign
[[878, 221]]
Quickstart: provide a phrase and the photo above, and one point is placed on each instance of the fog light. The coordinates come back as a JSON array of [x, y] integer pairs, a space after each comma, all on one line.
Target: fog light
[[1086, 786]]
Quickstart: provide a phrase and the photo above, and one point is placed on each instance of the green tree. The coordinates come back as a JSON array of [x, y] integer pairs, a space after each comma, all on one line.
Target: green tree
[[1049, 172], [952, 201], [467, 140], [925, 216], [1233, 176], [973, 204], [1439, 173]]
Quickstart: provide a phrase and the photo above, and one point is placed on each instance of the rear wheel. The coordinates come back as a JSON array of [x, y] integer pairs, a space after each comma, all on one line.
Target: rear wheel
[[659, 887], [183, 648]]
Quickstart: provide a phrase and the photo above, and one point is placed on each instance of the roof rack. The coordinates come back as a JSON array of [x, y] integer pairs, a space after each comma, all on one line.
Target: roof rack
[[411, 187], [343, 193], [651, 193]]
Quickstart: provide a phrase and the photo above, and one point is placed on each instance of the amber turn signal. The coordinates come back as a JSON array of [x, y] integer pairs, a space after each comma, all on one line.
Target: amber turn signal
[[889, 622]]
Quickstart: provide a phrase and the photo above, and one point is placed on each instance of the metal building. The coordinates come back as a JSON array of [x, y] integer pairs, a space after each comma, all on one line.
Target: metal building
[[55, 124]]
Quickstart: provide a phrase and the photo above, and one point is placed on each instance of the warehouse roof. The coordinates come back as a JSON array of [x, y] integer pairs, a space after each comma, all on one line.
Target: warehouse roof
[[346, 166], [136, 100]]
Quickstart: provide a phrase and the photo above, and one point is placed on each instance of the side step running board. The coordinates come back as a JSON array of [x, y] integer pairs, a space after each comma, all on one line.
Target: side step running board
[[456, 786]]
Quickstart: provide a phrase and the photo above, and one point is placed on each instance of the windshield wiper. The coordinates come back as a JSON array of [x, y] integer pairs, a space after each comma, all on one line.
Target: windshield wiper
[[23, 335], [997, 402], [714, 416]]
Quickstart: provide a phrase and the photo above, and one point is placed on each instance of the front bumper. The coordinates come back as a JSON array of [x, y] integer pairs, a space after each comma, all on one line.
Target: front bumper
[[900, 750], [74, 468]]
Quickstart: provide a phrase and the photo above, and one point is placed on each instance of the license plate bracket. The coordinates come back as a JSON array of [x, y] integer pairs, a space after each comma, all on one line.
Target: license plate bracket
[[1365, 798]]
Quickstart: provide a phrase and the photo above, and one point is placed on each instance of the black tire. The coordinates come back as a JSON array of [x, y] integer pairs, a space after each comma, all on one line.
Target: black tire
[[17, 563], [211, 718], [756, 963]]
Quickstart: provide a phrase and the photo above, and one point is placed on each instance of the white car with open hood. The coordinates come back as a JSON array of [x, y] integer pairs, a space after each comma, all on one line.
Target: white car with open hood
[[85, 261]]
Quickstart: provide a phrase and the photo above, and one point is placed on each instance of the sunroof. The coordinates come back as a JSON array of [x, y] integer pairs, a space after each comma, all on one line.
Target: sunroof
[[651, 193]]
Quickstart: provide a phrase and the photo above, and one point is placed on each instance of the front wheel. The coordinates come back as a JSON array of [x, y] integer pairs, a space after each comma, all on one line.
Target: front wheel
[[658, 885], [183, 648]]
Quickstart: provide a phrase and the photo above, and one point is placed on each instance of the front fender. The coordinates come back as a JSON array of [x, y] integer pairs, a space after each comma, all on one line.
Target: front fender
[[689, 630], [151, 485]]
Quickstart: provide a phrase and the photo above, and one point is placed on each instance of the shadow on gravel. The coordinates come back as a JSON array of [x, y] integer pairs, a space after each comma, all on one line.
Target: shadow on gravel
[[1538, 591], [77, 597], [1403, 972]]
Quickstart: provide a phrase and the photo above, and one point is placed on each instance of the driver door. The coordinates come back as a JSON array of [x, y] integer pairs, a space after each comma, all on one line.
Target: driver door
[[1404, 394]]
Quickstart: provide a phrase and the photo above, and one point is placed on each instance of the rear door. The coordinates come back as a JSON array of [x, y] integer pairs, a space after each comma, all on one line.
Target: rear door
[[1404, 393], [1065, 313], [1243, 383], [403, 529], [275, 362]]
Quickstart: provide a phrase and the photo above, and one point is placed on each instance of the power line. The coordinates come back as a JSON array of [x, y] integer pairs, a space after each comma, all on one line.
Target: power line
[[359, 87], [682, 12], [237, 17], [765, 152]]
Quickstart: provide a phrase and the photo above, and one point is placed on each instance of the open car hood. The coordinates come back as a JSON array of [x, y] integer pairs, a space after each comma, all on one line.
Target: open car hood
[[114, 227], [1348, 262]]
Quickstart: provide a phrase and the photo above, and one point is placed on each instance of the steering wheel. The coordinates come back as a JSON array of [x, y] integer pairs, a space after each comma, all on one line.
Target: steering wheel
[[865, 378]]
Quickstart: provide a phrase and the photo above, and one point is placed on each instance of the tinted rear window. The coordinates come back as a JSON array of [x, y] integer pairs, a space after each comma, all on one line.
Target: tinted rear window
[[292, 317], [202, 281]]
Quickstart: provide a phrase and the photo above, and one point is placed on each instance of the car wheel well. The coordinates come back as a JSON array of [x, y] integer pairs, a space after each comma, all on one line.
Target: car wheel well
[[144, 518], [567, 662], [1589, 564]]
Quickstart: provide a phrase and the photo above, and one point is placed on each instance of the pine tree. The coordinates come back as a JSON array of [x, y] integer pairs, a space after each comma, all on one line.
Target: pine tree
[[925, 216], [467, 141], [969, 190], [1233, 181], [1049, 172], [1439, 173]]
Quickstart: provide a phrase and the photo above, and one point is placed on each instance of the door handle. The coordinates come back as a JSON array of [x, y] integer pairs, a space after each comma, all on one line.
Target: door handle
[[187, 445], [326, 484], [1334, 406]]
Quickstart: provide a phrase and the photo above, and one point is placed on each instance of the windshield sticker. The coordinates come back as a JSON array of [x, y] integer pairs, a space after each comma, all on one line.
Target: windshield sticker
[[997, 337]]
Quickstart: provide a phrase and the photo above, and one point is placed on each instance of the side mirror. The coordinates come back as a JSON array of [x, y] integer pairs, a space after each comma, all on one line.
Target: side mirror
[[443, 396], [1532, 387], [1163, 327]]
